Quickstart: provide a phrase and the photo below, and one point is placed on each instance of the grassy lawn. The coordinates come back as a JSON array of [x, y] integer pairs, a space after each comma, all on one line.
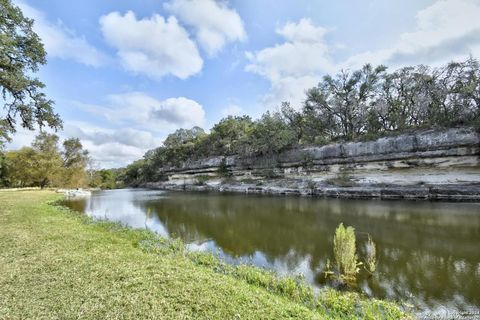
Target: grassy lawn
[[55, 264]]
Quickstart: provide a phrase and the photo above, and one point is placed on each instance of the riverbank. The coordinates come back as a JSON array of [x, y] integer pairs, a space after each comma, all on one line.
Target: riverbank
[[56, 264], [445, 192]]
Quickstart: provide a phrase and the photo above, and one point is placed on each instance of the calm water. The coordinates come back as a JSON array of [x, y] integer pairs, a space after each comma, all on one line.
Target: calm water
[[428, 252]]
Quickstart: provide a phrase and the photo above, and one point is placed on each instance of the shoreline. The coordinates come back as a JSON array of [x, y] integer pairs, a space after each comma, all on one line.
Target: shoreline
[[83, 259], [444, 192]]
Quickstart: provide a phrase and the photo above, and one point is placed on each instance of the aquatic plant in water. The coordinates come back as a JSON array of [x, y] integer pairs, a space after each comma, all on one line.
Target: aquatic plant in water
[[344, 249]]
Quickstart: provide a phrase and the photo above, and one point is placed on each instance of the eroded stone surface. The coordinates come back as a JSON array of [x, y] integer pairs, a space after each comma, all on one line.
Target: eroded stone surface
[[433, 164]]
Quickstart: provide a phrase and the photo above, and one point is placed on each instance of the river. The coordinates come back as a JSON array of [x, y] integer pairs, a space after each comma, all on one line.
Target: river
[[428, 252]]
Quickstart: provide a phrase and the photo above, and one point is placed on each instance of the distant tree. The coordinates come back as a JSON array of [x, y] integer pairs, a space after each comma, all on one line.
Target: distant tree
[[402, 101], [183, 145], [74, 154], [21, 54], [103, 179], [134, 173], [75, 161], [295, 120], [229, 135], [21, 167], [183, 137], [271, 135], [4, 179], [456, 93], [346, 99], [48, 160]]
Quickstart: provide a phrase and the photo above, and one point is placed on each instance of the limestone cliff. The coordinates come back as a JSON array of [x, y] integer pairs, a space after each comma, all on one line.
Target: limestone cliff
[[433, 164]]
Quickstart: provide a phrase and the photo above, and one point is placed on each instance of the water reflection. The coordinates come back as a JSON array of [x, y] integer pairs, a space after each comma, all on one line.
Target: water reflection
[[428, 252]]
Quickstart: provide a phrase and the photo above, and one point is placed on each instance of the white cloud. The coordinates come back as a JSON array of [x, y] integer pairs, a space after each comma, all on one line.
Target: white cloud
[[118, 147], [107, 147], [111, 147], [152, 46], [215, 24], [447, 30], [295, 65], [61, 42], [99, 136], [179, 111], [139, 109], [139, 121], [21, 138], [231, 110], [112, 154], [444, 31]]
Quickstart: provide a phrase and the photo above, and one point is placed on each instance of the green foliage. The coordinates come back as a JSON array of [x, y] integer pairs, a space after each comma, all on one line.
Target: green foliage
[[134, 173], [21, 168], [104, 178], [3, 169], [311, 184], [343, 100], [341, 179], [47, 159], [223, 169], [44, 164], [271, 135], [75, 161], [21, 54], [230, 136], [345, 252]]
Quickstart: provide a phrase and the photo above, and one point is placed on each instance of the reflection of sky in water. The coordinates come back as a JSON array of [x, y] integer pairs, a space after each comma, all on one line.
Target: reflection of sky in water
[[428, 251], [259, 259]]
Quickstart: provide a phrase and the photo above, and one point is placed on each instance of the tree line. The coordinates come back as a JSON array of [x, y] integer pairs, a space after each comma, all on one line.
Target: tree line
[[49, 163], [45, 164], [363, 104]]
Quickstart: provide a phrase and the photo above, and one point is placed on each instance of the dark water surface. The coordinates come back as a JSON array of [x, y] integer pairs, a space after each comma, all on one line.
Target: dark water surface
[[428, 252]]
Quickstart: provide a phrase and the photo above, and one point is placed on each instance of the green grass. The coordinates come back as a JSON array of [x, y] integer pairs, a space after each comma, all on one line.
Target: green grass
[[55, 264]]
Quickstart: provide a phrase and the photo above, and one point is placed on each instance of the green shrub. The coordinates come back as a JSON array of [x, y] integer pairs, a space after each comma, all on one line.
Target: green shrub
[[223, 170], [201, 180], [311, 184], [341, 179]]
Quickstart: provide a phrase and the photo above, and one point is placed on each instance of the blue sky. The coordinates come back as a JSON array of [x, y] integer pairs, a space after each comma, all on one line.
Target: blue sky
[[124, 74]]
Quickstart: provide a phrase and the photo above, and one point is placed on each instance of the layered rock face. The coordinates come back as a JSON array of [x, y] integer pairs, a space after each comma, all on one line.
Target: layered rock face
[[433, 164]]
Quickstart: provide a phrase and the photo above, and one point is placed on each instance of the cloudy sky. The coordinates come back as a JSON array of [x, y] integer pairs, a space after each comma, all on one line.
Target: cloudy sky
[[126, 73]]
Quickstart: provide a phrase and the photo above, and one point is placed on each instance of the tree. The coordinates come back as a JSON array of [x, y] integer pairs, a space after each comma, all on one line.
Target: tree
[[4, 180], [75, 160], [346, 99], [402, 101], [271, 135], [295, 120], [228, 135], [182, 137], [133, 174], [456, 94], [48, 159], [22, 170], [104, 179], [21, 54], [182, 144]]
